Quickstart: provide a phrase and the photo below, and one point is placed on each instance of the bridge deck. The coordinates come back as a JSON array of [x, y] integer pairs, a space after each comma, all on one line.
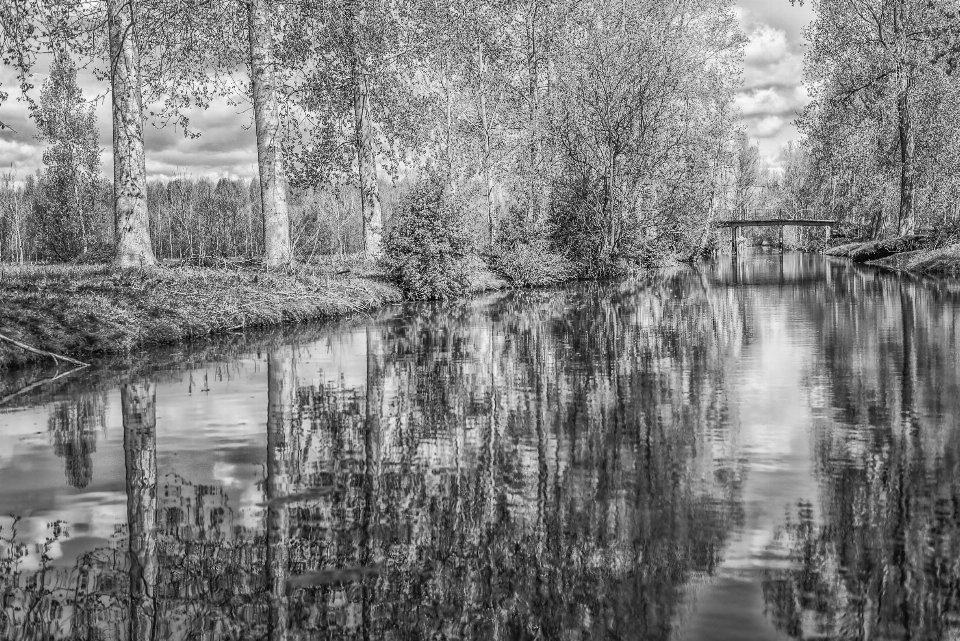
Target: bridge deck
[[772, 222]]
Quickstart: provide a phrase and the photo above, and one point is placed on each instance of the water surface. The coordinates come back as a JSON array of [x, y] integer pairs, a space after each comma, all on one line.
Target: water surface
[[762, 448]]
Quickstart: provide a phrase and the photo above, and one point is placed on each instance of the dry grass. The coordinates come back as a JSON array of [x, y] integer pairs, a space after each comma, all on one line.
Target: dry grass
[[939, 262], [844, 250], [87, 309]]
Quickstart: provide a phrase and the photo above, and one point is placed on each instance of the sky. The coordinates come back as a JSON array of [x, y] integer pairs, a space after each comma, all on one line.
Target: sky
[[771, 97], [773, 93]]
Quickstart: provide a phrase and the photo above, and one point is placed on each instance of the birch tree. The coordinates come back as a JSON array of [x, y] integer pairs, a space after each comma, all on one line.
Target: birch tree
[[31, 27], [132, 224], [263, 85]]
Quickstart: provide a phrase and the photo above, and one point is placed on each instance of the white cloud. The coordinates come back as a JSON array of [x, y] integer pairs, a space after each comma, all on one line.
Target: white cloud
[[773, 91], [777, 101], [766, 46], [766, 127]]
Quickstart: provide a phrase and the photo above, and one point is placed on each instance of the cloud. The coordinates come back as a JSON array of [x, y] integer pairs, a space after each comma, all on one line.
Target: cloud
[[770, 58], [766, 127], [17, 154], [772, 93], [226, 146], [772, 101], [766, 46]]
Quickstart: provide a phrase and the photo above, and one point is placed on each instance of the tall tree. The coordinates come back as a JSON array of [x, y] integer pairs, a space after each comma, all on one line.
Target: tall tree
[[747, 177], [29, 28], [69, 188], [360, 115], [132, 224], [273, 184], [356, 19]]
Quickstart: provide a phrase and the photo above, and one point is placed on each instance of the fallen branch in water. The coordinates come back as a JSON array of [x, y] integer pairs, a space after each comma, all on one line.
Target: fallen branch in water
[[24, 390], [41, 352]]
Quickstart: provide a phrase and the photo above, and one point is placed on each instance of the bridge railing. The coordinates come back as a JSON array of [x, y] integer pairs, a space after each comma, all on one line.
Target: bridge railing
[[761, 213]]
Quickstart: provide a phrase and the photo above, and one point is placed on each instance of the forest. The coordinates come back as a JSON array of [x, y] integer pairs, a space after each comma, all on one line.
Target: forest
[[592, 137]]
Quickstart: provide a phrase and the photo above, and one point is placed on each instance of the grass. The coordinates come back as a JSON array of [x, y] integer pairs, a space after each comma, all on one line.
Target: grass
[[78, 310], [944, 261], [917, 254]]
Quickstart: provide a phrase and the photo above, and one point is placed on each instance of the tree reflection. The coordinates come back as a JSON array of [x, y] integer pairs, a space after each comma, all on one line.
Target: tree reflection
[[73, 425], [138, 403], [883, 559], [524, 465], [280, 393]]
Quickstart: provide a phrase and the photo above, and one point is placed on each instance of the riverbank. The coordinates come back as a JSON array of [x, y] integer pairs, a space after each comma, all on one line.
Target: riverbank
[[80, 311], [84, 310], [916, 254]]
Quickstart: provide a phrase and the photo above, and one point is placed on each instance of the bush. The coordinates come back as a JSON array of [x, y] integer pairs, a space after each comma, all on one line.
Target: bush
[[582, 231], [428, 250], [533, 264]]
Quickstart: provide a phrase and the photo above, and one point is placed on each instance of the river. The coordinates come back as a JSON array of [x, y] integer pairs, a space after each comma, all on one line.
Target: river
[[766, 447]]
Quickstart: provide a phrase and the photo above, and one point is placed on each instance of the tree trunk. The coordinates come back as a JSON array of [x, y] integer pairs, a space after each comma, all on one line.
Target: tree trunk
[[373, 440], [610, 203], [485, 126], [367, 162], [129, 165], [276, 220], [535, 208], [906, 218], [280, 392], [138, 407], [448, 109]]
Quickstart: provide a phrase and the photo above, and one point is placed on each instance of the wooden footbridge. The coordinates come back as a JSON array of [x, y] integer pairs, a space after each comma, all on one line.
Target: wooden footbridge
[[756, 219]]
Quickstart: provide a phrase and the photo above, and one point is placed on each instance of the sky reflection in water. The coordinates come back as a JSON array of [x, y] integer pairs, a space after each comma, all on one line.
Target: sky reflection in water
[[761, 448]]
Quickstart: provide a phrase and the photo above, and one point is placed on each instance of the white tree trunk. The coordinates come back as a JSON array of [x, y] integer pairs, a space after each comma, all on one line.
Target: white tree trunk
[[273, 196], [132, 222], [367, 163], [485, 126]]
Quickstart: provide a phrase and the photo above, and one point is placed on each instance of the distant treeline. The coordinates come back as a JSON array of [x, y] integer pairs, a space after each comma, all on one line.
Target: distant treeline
[[190, 218]]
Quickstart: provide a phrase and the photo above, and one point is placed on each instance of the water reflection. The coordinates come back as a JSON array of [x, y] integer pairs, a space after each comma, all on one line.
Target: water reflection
[[757, 449], [138, 403], [883, 560]]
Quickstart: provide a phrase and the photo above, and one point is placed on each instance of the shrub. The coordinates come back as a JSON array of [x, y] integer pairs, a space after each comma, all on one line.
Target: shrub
[[581, 229], [533, 264], [428, 250]]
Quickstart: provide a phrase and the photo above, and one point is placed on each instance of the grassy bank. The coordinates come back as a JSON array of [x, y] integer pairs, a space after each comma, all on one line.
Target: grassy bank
[[917, 254], [84, 310], [79, 310]]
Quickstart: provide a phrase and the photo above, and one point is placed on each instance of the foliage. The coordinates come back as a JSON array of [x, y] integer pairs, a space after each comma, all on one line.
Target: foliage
[[68, 216], [636, 137], [582, 229], [881, 143], [427, 249], [518, 103], [533, 264]]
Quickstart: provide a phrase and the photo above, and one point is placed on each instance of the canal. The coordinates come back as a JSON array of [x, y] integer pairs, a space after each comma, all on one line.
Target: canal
[[765, 447]]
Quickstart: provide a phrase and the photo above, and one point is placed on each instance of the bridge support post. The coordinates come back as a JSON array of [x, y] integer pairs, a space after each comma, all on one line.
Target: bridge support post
[[734, 237], [781, 239], [826, 236]]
